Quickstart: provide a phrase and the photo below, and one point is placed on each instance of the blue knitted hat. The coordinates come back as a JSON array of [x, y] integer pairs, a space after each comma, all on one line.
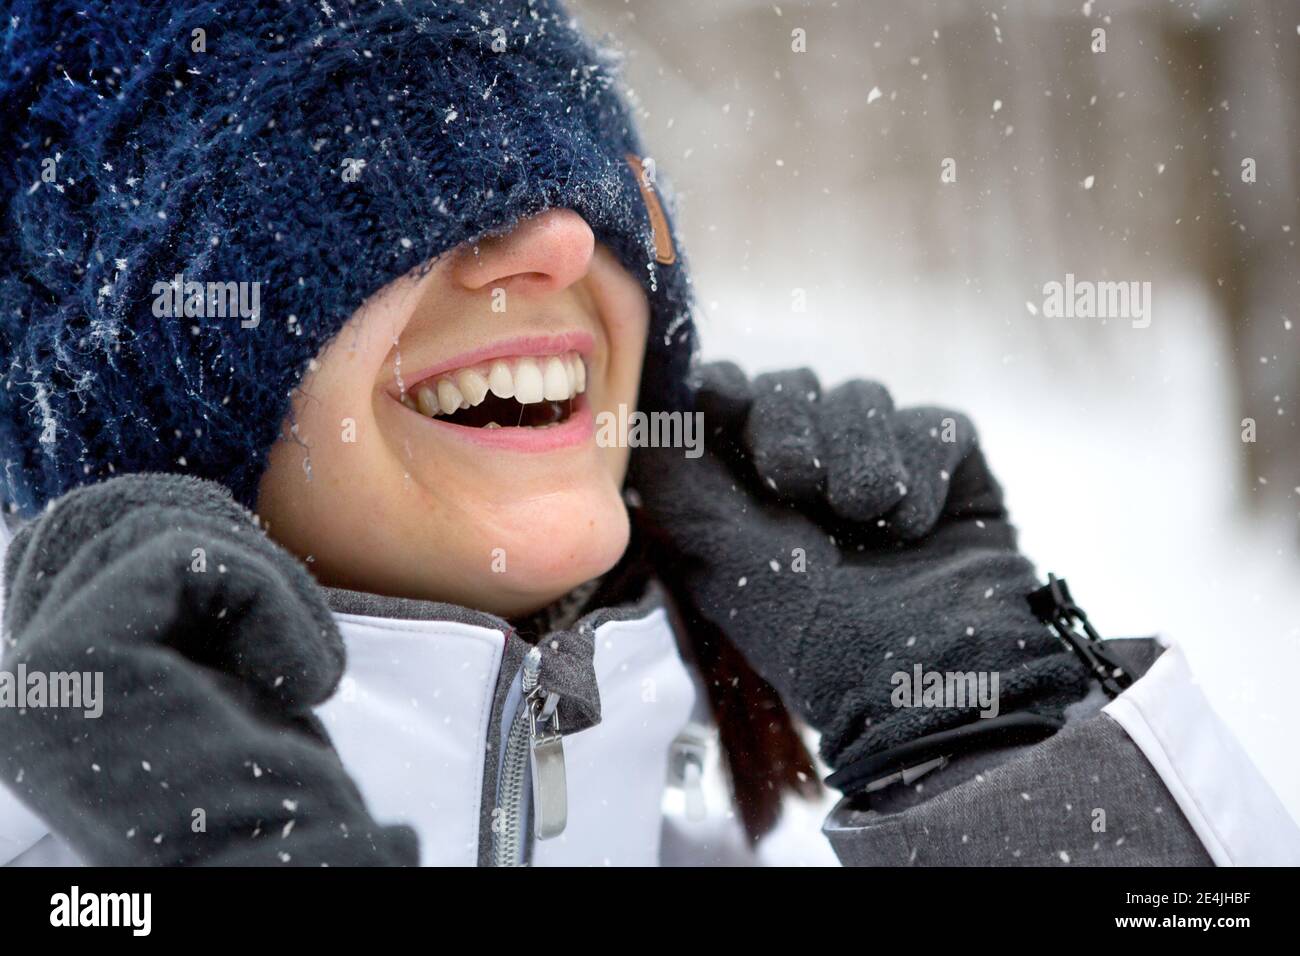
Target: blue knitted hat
[[319, 150]]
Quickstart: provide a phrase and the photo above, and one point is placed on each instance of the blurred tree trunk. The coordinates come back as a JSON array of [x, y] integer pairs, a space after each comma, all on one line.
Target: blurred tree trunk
[[1252, 74]]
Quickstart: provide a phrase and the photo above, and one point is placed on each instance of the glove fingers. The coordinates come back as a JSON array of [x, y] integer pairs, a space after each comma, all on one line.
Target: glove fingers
[[278, 640], [45, 545], [932, 443], [63, 552], [782, 436], [865, 476], [974, 491], [724, 397], [206, 592]]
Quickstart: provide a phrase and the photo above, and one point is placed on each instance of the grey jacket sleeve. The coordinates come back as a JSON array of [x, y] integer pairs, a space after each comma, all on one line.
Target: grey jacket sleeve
[[1086, 796]]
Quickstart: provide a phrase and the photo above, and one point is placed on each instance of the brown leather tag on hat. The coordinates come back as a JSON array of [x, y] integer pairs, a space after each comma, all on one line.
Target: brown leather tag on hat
[[663, 239]]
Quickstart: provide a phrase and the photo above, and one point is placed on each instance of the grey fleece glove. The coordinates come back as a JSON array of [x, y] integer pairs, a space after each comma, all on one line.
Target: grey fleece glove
[[214, 644], [838, 542]]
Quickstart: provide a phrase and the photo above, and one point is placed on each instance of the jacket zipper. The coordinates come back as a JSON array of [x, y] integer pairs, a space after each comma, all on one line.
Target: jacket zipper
[[534, 751]]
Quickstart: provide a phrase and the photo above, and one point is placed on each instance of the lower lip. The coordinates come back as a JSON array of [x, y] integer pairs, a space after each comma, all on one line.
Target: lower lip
[[575, 430]]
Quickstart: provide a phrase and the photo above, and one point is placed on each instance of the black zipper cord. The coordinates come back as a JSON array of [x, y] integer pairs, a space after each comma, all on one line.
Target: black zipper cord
[[1054, 606]]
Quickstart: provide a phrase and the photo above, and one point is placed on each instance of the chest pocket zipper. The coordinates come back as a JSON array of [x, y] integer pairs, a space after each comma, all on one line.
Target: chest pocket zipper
[[534, 752]]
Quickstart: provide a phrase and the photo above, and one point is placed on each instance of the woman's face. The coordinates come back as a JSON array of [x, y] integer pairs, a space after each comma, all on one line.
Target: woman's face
[[443, 444]]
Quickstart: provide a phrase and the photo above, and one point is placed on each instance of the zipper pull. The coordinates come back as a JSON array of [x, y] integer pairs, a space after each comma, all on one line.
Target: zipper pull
[[545, 753], [686, 768], [1053, 605]]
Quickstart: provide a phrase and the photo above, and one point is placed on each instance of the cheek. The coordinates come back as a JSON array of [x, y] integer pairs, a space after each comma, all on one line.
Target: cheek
[[627, 342], [620, 389], [314, 492], [626, 316], [334, 418]]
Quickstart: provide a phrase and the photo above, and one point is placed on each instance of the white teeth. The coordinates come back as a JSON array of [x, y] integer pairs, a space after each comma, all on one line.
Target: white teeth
[[570, 374], [472, 385], [427, 400], [555, 380], [449, 397], [501, 381], [528, 382]]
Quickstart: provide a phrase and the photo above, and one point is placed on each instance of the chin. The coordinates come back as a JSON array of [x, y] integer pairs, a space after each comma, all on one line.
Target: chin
[[568, 543]]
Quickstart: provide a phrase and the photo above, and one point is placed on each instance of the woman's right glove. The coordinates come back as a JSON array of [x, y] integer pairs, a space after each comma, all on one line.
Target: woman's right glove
[[839, 543], [213, 644]]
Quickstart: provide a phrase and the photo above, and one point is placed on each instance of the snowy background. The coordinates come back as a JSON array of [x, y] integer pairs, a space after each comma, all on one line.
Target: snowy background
[[1120, 448]]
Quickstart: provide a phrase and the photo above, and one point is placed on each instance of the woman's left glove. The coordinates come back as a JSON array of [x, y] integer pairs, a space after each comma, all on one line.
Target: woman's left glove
[[213, 644], [840, 543]]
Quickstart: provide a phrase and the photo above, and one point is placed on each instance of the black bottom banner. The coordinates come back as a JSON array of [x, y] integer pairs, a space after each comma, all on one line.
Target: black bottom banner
[[861, 907]]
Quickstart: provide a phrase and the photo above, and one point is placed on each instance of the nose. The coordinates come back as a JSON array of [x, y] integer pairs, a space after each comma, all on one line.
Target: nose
[[544, 253]]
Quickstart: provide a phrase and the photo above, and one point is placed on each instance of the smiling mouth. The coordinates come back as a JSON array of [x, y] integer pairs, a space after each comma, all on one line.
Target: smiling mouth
[[525, 392]]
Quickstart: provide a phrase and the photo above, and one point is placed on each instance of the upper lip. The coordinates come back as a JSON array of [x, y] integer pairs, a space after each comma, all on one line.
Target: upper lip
[[517, 347]]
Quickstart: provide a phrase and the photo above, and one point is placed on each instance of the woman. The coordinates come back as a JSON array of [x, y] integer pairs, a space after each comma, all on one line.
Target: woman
[[442, 641]]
